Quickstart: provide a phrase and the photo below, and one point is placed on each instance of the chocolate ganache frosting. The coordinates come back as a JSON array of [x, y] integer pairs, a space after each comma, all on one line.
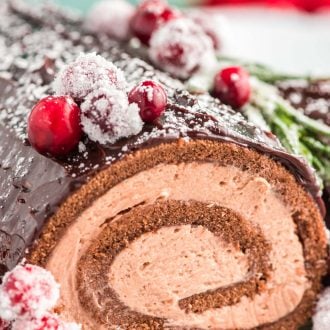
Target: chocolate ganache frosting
[[34, 45]]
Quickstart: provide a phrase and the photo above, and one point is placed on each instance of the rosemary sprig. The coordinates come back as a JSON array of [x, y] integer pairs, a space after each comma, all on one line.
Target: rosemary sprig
[[298, 133]]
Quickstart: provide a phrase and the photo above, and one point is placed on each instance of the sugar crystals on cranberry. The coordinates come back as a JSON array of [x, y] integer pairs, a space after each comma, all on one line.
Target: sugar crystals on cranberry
[[181, 47]]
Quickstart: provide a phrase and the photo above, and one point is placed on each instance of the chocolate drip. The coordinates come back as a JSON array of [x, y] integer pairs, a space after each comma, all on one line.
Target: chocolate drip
[[36, 43]]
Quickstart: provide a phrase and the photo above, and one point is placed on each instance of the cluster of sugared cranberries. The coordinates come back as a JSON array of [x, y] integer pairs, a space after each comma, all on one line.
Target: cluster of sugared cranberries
[[27, 294], [118, 19], [95, 103], [232, 86], [179, 43]]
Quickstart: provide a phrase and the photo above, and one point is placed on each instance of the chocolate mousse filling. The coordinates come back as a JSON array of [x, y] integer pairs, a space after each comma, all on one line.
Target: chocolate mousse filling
[[119, 234]]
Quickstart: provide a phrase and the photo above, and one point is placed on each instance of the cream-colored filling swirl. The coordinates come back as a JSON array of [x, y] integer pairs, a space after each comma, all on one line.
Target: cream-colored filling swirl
[[211, 261]]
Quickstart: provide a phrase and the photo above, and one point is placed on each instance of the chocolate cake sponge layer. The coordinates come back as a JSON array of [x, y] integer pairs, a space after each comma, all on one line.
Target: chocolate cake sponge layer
[[309, 225]]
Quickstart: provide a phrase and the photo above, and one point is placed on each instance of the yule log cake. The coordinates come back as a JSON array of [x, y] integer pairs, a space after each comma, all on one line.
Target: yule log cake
[[190, 219]]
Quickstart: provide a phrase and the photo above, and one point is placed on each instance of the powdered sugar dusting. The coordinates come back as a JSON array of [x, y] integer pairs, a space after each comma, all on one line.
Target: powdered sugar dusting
[[148, 90], [107, 116], [181, 47], [85, 74], [321, 319], [111, 17]]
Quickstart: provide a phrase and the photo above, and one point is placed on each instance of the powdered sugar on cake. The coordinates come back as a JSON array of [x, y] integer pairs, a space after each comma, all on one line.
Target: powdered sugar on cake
[[181, 47], [85, 74]]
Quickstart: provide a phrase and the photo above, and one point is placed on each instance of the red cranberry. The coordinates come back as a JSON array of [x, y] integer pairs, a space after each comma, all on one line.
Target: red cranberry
[[54, 125], [151, 99], [232, 86], [149, 15]]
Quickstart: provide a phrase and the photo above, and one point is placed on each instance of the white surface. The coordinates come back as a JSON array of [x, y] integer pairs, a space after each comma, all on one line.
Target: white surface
[[287, 40]]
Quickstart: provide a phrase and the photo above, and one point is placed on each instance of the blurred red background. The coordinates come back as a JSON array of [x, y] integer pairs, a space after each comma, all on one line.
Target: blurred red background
[[306, 5]]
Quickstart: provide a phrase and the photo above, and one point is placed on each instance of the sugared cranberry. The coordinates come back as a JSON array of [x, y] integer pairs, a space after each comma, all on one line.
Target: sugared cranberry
[[149, 15], [46, 321], [87, 73], [54, 125], [151, 99], [27, 291], [106, 116], [181, 47], [232, 86]]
